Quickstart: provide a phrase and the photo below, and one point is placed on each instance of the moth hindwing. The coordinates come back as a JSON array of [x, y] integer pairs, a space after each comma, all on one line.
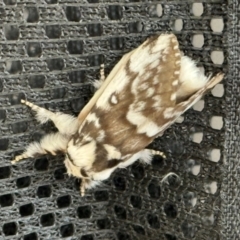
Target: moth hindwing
[[143, 95]]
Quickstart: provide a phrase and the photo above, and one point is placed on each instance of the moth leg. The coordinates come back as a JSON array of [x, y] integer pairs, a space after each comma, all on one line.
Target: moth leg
[[102, 73], [82, 187], [49, 144], [66, 124], [98, 83], [155, 152]]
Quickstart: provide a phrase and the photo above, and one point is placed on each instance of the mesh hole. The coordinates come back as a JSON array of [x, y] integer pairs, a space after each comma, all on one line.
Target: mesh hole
[[55, 64], [217, 24], [23, 182], [44, 191], [197, 9], [30, 236], [215, 154], [188, 230], [138, 229], [19, 127], [136, 201], [10, 2], [3, 146], [77, 105], [47, 220], [14, 67], [84, 212], [34, 49], [37, 81], [53, 31], [173, 181], [170, 237], [211, 187], [154, 190], [96, 60], [153, 221], [119, 183], [198, 40], [116, 43], [75, 47], [156, 10], [16, 98], [93, 1], [158, 161], [26, 210], [207, 218], [1, 87], [217, 57], [199, 106], [10, 228], [123, 236], [135, 27], [58, 93], [120, 212], [216, 122], [64, 201], [178, 25], [51, 1], [193, 167], [67, 230], [95, 29], [104, 223], [101, 195], [5, 172], [6, 200], [41, 164], [3, 116], [197, 137], [114, 12], [77, 76], [170, 210], [59, 173], [11, 32], [180, 119], [87, 237], [73, 13], [189, 199], [138, 171], [30, 14], [218, 90]]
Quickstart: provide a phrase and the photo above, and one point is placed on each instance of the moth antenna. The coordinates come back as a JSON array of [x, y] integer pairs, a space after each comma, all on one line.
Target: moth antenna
[[49, 144]]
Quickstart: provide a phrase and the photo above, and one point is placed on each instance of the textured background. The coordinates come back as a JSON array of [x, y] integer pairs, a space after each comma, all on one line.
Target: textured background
[[50, 50]]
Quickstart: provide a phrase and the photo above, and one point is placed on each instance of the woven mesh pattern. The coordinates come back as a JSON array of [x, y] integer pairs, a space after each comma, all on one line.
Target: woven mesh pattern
[[50, 51]]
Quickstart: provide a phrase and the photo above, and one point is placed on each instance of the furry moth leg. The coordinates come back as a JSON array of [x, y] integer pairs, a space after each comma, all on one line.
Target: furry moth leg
[[49, 144], [82, 187], [155, 152], [66, 124], [98, 83]]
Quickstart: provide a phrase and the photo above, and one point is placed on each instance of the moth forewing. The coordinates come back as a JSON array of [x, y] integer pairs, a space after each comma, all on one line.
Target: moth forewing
[[118, 68]]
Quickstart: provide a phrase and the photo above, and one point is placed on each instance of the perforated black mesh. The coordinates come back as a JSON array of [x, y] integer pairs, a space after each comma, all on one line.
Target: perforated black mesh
[[50, 51]]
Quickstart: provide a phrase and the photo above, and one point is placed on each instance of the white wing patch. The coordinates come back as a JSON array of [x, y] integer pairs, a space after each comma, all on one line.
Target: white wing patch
[[144, 124]]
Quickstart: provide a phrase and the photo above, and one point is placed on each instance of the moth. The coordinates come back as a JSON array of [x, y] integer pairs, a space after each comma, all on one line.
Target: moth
[[144, 94]]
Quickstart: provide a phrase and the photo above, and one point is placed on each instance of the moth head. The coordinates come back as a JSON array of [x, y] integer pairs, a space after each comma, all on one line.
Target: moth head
[[86, 157]]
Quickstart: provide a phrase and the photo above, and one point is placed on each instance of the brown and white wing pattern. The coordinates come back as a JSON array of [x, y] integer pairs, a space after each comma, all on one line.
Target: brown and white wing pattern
[[131, 109], [143, 95]]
